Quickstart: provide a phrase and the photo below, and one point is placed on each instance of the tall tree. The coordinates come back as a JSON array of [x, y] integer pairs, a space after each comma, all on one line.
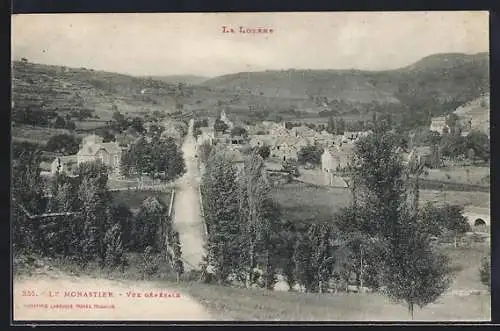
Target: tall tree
[[411, 271], [310, 154], [63, 143], [259, 219], [220, 204]]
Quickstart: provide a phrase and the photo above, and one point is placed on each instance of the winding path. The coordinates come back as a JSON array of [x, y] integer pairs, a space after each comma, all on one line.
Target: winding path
[[187, 212]]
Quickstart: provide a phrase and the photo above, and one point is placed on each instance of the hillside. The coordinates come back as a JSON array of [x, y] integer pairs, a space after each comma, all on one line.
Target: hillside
[[479, 111], [433, 86], [64, 89], [455, 71], [184, 79], [441, 82]]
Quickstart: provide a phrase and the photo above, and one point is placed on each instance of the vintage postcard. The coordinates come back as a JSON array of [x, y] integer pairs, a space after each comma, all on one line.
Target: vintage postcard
[[329, 166]]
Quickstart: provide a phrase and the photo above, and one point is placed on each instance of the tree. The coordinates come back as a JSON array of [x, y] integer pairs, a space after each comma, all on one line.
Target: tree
[[115, 253], [27, 193], [340, 126], [411, 271], [204, 150], [479, 143], [151, 261], [264, 151], [121, 215], [160, 158], [485, 273], [441, 220], [259, 218], [453, 145], [415, 274], [95, 200], [120, 121], [60, 123], [290, 166], [66, 144], [436, 161], [137, 124], [310, 154], [220, 126], [331, 127], [148, 222], [177, 263], [239, 131], [220, 204], [302, 260]]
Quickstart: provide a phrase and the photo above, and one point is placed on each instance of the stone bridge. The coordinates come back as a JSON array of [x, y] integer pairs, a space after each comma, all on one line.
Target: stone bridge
[[477, 216]]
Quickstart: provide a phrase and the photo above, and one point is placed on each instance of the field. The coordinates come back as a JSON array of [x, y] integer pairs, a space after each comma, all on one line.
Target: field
[[35, 133], [467, 261], [464, 175], [90, 125], [304, 202], [133, 199], [307, 202], [259, 305], [476, 199]]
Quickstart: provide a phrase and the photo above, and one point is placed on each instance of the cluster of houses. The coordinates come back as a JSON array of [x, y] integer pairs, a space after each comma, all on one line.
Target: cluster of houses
[[286, 143]]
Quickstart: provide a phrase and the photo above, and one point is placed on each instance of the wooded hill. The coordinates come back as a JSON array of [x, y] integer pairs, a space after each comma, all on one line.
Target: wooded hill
[[435, 85], [446, 76]]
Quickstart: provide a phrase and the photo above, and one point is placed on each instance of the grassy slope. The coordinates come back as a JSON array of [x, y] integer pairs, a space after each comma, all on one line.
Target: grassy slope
[[226, 303], [59, 88]]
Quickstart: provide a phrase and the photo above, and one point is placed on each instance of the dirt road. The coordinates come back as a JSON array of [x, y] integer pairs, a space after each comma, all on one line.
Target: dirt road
[[68, 298], [187, 213]]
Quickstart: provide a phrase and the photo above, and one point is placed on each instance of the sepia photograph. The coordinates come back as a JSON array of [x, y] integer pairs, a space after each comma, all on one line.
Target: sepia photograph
[[278, 166]]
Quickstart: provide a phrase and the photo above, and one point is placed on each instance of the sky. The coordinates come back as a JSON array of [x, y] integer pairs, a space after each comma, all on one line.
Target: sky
[[193, 43]]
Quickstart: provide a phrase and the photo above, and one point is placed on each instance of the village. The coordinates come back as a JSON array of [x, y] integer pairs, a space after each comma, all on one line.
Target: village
[[296, 187]]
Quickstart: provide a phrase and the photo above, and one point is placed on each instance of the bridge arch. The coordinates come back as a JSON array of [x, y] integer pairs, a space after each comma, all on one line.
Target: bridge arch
[[479, 222]]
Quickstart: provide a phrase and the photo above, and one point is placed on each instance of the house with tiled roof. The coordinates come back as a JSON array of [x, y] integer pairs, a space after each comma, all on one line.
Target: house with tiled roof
[[93, 148], [287, 147]]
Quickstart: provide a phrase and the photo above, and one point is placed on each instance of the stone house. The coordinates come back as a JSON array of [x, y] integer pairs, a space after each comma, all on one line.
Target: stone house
[[287, 147], [93, 148]]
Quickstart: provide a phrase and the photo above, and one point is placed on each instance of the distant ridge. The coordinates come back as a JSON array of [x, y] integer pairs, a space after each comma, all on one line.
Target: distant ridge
[[444, 76], [184, 79]]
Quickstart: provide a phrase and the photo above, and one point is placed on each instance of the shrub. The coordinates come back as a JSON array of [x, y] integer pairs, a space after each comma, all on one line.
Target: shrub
[[151, 261], [115, 254], [485, 273]]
